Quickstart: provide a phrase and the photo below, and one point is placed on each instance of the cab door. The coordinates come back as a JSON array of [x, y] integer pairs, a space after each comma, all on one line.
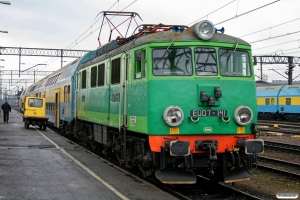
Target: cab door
[[34, 107]]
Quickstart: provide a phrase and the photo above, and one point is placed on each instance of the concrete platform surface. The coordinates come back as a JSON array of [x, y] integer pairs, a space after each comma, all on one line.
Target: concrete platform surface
[[41, 164]]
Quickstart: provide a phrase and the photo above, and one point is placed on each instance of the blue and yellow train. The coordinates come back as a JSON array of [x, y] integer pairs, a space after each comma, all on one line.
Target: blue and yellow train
[[172, 101], [278, 102]]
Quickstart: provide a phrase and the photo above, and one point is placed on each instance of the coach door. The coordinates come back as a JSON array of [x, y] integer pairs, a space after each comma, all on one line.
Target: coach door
[[57, 108]]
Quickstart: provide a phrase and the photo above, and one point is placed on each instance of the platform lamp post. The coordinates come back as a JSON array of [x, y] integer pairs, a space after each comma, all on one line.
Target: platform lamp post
[[1, 86], [5, 2]]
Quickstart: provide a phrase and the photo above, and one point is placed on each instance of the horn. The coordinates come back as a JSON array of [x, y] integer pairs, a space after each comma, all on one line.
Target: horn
[[181, 28], [222, 30], [175, 29]]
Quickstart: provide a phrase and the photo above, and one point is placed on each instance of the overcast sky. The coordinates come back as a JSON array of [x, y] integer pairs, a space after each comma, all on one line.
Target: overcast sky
[[65, 24]]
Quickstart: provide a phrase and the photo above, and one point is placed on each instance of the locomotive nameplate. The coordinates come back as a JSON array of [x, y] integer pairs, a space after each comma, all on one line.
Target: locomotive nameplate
[[205, 113]]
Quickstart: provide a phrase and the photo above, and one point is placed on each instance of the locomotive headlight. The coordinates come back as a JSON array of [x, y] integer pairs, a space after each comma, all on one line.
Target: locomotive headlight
[[173, 115], [243, 115], [204, 30]]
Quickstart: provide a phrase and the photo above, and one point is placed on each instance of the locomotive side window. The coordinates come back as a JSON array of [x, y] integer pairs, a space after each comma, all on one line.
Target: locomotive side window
[[288, 101], [206, 62], [83, 79], [234, 63], [172, 62], [94, 76], [140, 64], [101, 68], [267, 101], [115, 74]]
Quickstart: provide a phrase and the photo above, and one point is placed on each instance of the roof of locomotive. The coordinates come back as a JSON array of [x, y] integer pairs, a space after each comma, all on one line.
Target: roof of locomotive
[[165, 36]]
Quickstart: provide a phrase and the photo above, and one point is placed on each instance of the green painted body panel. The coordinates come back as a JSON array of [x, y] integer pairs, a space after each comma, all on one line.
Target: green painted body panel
[[185, 94], [147, 98]]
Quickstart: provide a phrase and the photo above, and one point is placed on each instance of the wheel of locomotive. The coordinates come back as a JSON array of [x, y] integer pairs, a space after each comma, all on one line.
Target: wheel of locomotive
[[44, 127], [40, 127]]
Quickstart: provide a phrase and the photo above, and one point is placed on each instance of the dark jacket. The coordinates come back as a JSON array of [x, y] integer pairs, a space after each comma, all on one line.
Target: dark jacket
[[6, 107]]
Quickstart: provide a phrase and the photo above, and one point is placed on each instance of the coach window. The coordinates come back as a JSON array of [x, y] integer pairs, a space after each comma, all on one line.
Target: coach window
[[288, 101], [101, 74], [83, 79], [77, 80], [66, 94], [94, 76], [69, 94], [267, 101], [140, 64], [234, 63], [115, 71], [272, 101], [206, 62], [172, 62]]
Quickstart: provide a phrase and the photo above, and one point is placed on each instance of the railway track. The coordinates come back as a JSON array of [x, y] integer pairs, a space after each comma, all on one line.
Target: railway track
[[203, 189], [279, 166], [281, 126], [282, 146]]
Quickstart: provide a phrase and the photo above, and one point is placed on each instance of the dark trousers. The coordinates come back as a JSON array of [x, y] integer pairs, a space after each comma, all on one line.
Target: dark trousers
[[5, 116]]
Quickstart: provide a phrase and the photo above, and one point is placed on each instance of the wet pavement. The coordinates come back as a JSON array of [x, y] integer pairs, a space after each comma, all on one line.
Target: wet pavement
[[41, 164]]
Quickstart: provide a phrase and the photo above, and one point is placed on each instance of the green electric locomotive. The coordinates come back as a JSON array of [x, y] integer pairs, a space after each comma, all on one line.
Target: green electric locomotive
[[174, 101]]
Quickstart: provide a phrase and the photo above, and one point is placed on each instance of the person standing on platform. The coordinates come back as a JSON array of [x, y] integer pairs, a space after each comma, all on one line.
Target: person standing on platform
[[6, 109]]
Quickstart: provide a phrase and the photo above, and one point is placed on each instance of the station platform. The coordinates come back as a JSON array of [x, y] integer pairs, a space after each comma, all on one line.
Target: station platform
[[41, 164]]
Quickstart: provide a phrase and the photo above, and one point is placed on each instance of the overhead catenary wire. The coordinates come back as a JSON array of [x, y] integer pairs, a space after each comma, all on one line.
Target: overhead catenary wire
[[51, 60], [247, 12], [100, 26], [278, 36], [77, 42], [282, 50], [269, 27], [275, 45], [211, 12]]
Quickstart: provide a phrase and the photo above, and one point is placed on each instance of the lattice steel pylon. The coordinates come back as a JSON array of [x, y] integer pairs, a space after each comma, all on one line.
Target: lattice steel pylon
[[290, 60], [45, 52], [21, 51]]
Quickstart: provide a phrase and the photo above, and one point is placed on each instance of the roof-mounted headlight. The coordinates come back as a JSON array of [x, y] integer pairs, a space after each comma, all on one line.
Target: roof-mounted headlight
[[204, 30], [243, 115], [173, 115]]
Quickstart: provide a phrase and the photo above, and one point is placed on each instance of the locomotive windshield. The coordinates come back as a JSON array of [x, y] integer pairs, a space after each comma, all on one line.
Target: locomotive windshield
[[172, 62], [35, 103], [178, 62], [206, 63], [234, 63]]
